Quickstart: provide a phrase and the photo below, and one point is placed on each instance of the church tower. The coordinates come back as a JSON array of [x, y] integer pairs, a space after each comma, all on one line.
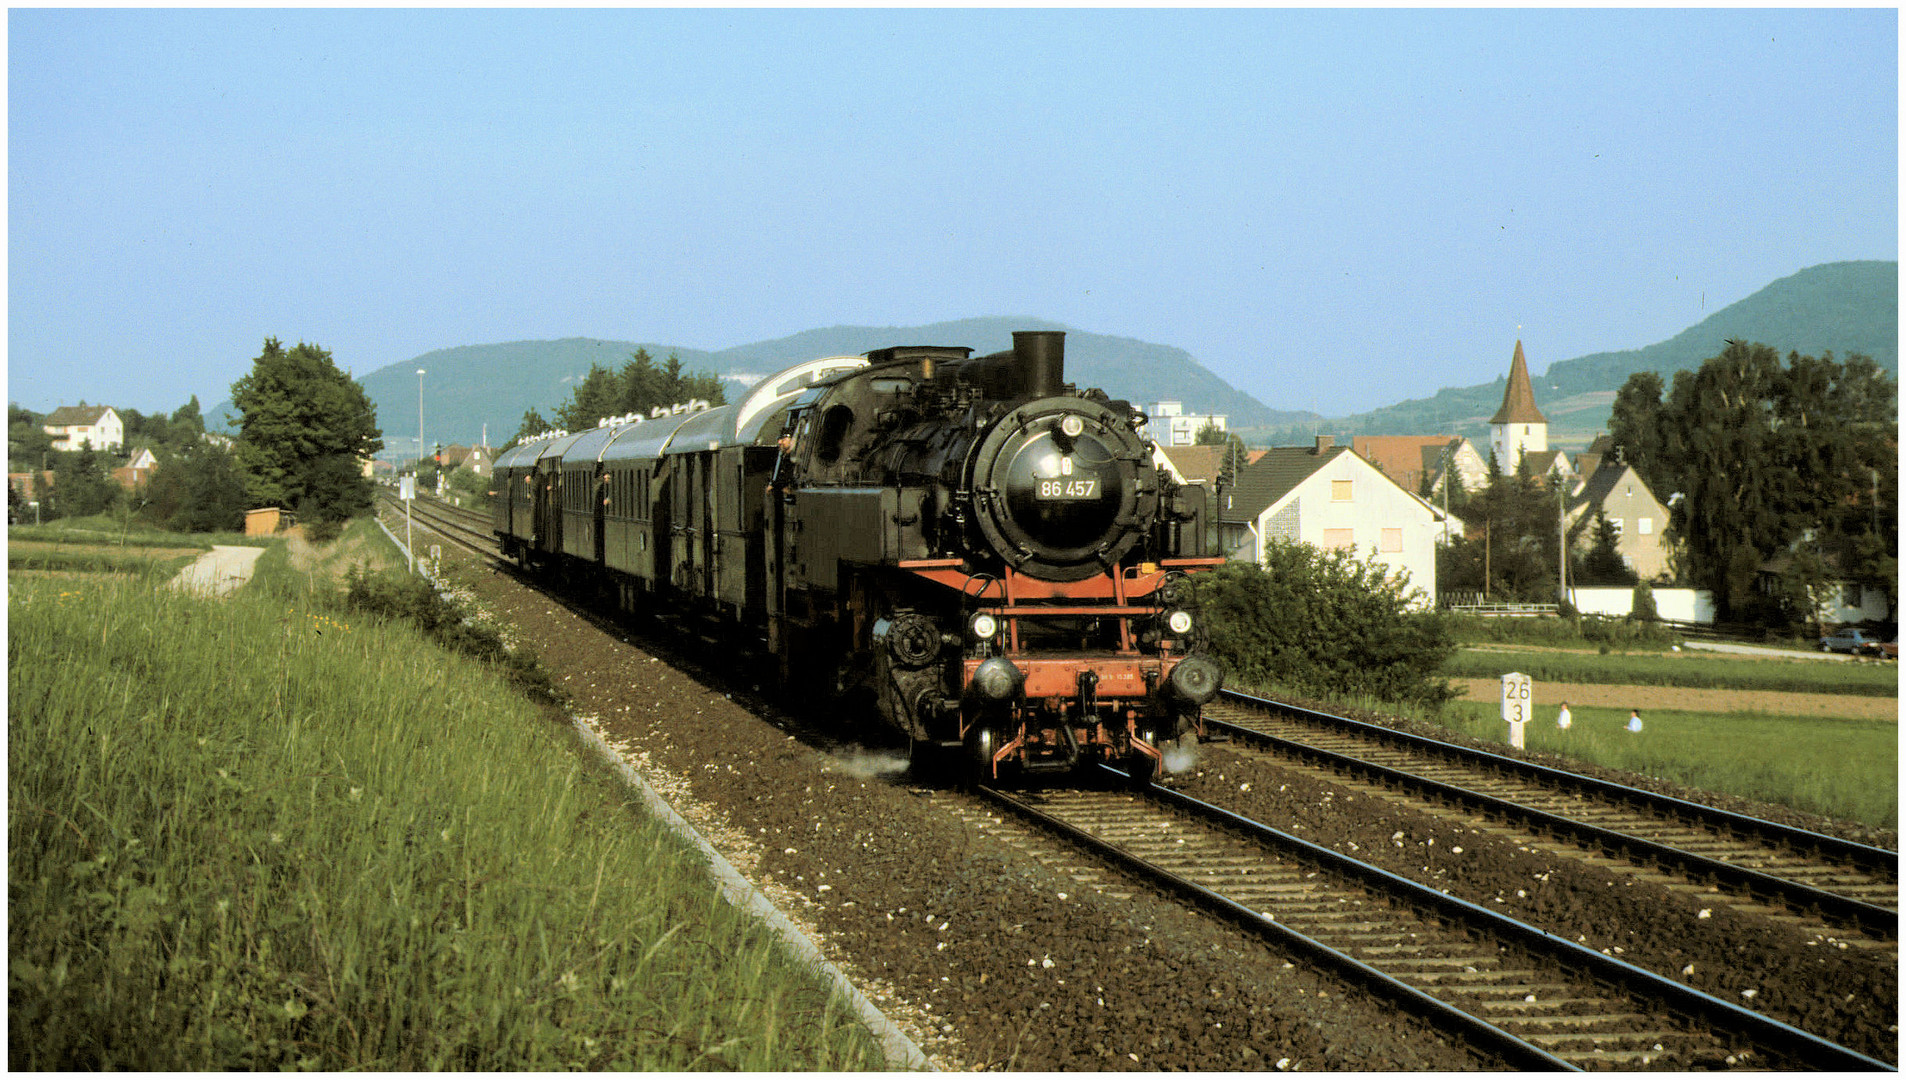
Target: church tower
[[1518, 428]]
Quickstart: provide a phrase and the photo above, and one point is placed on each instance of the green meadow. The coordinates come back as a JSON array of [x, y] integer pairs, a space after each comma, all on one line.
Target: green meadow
[[1845, 769], [277, 832], [1691, 668]]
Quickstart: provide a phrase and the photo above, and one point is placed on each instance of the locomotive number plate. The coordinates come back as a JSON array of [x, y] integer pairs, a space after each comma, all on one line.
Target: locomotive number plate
[[1069, 489]]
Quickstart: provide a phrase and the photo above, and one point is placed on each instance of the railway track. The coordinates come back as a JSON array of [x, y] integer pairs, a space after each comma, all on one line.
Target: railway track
[[1537, 1000], [468, 529], [1794, 876]]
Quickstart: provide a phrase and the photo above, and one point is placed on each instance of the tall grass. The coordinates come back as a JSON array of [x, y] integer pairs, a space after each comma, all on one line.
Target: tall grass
[[249, 835], [1846, 769], [140, 561]]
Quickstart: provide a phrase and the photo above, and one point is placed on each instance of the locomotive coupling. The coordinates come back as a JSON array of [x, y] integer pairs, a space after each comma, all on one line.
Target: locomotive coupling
[[1195, 680]]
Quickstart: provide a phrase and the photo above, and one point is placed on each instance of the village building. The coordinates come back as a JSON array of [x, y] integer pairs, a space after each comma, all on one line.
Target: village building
[[75, 425], [1168, 424], [137, 470], [1417, 462], [1616, 491], [1331, 497], [1518, 428], [477, 459]]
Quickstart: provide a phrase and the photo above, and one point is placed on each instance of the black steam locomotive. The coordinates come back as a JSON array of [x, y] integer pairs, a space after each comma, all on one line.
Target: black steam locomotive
[[988, 556]]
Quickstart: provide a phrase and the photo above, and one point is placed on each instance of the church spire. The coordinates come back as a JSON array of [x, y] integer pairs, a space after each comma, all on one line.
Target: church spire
[[1518, 398]]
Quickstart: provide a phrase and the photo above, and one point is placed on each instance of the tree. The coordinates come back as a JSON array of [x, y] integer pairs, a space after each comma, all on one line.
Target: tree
[[211, 495], [304, 428], [81, 486], [533, 425], [1769, 459], [1514, 557], [1235, 452], [1603, 565], [598, 395], [1324, 622], [1636, 426]]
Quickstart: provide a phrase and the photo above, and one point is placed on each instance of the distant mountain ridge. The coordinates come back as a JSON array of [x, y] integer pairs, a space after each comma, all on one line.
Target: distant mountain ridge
[[1844, 307], [470, 386]]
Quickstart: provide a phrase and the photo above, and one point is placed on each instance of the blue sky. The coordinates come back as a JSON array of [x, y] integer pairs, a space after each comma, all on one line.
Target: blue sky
[[1333, 210]]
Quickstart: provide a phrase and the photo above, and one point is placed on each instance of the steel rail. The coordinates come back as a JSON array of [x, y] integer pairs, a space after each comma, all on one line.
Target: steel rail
[[1791, 1042], [1872, 859], [1879, 922]]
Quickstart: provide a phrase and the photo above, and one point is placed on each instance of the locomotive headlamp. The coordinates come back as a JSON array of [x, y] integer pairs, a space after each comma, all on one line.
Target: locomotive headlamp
[[1073, 425], [985, 626], [1179, 622]]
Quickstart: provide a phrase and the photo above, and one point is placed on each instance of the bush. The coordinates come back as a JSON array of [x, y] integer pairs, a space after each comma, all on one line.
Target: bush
[[1324, 622], [1643, 609]]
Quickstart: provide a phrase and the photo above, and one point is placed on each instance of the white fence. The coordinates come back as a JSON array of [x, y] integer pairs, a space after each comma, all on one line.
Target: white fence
[[1671, 605]]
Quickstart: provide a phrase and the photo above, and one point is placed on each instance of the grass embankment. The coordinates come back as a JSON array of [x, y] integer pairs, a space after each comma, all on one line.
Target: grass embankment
[[247, 834]]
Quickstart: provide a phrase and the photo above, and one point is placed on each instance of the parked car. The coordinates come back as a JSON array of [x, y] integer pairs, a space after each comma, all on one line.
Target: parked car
[[1888, 650], [1849, 640]]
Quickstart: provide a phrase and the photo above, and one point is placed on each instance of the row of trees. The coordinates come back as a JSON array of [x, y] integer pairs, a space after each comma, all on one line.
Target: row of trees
[[306, 426], [1790, 462], [639, 386]]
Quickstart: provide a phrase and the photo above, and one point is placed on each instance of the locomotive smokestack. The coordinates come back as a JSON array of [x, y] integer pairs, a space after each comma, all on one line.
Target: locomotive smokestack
[[1040, 356]]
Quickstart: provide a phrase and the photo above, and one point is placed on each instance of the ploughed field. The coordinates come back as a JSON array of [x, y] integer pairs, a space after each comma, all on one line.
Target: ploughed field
[[1006, 956]]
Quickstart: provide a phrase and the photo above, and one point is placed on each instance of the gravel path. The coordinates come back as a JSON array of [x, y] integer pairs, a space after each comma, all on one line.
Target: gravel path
[[219, 571]]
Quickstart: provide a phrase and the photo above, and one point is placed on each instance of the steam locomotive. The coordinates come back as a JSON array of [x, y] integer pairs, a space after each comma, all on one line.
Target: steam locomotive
[[987, 556]]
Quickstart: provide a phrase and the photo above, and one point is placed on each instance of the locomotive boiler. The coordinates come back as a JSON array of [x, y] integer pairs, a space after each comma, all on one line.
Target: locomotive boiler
[[987, 557]]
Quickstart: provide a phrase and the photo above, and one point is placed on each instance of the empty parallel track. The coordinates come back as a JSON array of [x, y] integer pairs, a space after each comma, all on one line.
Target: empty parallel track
[[1819, 879], [1537, 1000]]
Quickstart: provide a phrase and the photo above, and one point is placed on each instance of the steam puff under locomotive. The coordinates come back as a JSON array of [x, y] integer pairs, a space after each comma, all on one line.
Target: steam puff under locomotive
[[984, 554]]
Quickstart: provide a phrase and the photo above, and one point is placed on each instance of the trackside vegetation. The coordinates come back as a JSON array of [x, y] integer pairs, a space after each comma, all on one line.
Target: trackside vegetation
[[269, 834], [1323, 622]]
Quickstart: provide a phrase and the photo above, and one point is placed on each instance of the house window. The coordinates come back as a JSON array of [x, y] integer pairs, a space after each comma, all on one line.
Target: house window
[[1645, 526], [1339, 538], [1393, 540], [1616, 523], [1340, 490]]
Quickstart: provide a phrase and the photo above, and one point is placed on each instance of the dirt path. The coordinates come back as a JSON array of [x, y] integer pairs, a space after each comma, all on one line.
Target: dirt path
[[1688, 699]]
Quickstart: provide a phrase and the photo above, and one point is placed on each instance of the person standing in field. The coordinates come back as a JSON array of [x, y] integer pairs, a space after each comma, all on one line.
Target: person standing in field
[[1634, 720], [1563, 719]]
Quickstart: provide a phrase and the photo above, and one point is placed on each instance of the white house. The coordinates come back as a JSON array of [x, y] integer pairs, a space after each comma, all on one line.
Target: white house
[[71, 425], [1329, 497], [1168, 424]]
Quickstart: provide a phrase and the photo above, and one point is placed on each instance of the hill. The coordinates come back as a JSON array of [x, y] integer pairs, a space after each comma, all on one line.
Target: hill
[[1843, 308], [471, 386]]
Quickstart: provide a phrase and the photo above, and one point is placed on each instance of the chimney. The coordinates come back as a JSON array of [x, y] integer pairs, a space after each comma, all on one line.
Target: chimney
[[1324, 442], [1040, 356]]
